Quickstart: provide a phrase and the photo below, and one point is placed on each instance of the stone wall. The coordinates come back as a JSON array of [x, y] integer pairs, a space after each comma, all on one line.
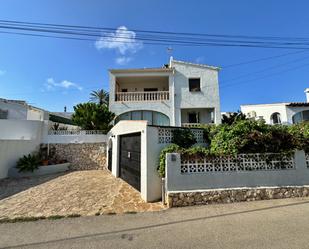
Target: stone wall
[[84, 156], [182, 199]]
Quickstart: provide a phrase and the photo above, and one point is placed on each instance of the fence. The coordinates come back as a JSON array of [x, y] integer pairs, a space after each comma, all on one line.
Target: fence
[[165, 135], [75, 136], [253, 170]]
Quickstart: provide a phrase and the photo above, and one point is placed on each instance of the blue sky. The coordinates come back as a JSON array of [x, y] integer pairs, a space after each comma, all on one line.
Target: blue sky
[[53, 73]]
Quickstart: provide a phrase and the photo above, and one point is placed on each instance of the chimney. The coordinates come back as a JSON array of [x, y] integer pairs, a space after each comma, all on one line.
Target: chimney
[[307, 94]]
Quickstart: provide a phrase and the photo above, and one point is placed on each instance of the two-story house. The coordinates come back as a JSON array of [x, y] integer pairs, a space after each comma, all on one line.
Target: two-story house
[[178, 94]]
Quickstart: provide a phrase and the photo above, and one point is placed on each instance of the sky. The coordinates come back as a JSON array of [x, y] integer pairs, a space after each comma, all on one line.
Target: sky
[[52, 73]]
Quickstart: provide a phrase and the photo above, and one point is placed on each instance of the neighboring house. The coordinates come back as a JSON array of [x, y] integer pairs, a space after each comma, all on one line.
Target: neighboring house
[[67, 115], [279, 113], [178, 94], [20, 110]]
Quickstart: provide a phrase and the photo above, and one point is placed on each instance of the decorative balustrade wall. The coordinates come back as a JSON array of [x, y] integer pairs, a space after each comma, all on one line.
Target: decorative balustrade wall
[[166, 134], [244, 170], [142, 96], [241, 162]]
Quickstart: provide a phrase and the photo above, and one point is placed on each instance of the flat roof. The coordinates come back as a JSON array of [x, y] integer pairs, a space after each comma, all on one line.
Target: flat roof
[[292, 104], [197, 64], [142, 70]]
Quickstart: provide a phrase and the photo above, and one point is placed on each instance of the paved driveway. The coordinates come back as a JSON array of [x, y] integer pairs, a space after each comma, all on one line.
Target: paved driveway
[[280, 224], [79, 192]]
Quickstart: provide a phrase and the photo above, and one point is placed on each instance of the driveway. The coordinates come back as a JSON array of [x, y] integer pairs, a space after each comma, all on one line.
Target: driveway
[[276, 224], [75, 193]]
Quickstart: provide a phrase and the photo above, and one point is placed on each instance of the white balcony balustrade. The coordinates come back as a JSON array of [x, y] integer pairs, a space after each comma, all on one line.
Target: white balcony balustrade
[[142, 96]]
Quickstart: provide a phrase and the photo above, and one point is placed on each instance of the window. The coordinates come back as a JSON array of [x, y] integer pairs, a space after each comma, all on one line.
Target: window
[[195, 85], [3, 114], [153, 118], [193, 117], [124, 90], [301, 117], [275, 118]]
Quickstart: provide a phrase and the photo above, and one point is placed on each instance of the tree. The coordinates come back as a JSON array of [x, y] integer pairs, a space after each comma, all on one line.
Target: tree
[[92, 116], [100, 97], [233, 117]]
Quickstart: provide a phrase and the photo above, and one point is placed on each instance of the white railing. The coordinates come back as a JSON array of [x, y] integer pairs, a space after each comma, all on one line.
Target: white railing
[[195, 125], [75, 132], [142, 96]]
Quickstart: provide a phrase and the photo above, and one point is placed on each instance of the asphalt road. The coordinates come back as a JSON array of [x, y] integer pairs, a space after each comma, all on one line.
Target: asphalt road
[[261, 224]]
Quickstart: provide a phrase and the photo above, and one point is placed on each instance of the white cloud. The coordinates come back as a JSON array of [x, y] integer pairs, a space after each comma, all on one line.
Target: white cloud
[[52, 84], [2, 72], [123, 60], [122, 40]]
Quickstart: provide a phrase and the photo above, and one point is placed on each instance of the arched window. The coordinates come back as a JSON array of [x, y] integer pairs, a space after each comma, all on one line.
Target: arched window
[[275, 118], [153, 118], [300, 117]]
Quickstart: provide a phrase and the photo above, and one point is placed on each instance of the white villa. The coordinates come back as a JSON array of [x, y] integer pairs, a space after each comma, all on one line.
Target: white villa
[[178, 94], [21, 110], [279, 113]]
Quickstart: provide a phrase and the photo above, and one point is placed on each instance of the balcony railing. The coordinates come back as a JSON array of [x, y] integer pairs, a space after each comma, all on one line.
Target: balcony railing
[[195, 125], [142, 96]]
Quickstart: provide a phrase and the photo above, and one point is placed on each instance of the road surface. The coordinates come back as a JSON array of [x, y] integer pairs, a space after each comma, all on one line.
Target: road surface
[[261, 224]]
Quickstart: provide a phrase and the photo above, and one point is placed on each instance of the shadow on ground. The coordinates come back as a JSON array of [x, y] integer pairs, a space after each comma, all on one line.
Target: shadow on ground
[[12, 186]]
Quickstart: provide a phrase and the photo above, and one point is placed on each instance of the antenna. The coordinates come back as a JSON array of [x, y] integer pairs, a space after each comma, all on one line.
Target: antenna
[[169, 51]]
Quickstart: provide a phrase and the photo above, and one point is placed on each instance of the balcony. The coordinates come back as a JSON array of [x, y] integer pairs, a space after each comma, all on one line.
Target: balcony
[[141, 96]]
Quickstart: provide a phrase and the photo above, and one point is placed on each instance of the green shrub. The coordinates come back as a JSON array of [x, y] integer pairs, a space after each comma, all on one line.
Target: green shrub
[[183, 138], [300, 133], [195, 152], [91, 116], [169, 149], [30, 162], [247, 136]]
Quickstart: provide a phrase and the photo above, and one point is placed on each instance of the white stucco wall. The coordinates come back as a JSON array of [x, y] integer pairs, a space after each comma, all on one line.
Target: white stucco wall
[[176, 181], [266, 110], [150, 150], [18, 138], [208, 97], [15, 111]]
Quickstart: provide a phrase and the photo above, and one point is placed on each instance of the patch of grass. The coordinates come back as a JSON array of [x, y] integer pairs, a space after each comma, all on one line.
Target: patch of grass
[[111, 213], [130, 212], [55, 217], [21, 219], [73, 215]]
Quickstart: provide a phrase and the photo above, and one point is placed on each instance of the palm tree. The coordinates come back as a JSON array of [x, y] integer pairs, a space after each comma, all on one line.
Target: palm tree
[[100, 96]]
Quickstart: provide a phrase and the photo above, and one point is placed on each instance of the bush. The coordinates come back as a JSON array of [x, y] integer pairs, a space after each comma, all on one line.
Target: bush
[[183, 138], [249, 136], [169, 149], [30, 162], [91, 116], [300, 133]]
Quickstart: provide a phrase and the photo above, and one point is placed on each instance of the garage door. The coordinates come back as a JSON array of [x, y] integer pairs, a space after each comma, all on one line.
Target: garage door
[[130, 159]]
